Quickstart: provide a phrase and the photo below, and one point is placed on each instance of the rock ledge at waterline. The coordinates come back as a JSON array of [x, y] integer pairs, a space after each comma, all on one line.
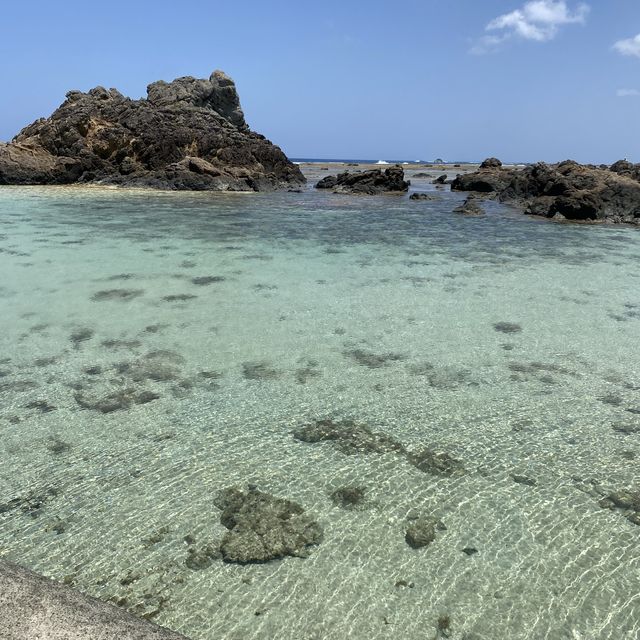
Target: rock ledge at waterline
[[189, 134], [564, 191]]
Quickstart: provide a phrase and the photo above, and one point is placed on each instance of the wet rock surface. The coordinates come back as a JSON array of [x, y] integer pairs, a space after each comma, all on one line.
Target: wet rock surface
[[563, 191], [372, 182], [263, 527], [189, 134], [423, 196]]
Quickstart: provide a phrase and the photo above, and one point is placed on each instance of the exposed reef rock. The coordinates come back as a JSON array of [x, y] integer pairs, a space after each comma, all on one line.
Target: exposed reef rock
[[187, 134], [263, 527], [470, 207], [423, 196], [564, 191], [372, 182]]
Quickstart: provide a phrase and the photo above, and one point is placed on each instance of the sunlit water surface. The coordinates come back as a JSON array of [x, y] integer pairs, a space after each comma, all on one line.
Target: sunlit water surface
[[267, 312]]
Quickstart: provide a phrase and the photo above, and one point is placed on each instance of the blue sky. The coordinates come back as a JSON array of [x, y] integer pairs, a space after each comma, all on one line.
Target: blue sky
[[459, 79]]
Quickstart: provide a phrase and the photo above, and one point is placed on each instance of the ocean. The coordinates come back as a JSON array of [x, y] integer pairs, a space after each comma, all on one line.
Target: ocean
[[478, 373]]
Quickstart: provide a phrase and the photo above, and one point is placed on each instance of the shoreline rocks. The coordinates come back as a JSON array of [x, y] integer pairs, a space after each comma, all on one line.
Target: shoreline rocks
[[189, 134], [563, 191], [372, 182]]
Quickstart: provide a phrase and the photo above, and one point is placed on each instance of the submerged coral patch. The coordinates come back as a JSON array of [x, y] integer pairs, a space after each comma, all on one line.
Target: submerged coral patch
[[123, 397], [507, 327], [349, 437], [205, 280], [434, 462], [373, 360], [350, 497], [261, 370], [123, 295], [263, 527]]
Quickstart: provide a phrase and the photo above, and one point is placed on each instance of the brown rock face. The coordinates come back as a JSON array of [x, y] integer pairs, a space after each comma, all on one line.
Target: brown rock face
[[567, 190], [187, 134]]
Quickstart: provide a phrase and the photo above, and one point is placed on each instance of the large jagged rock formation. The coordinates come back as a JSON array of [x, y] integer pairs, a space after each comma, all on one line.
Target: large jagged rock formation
[[187, 134], [567, 190]]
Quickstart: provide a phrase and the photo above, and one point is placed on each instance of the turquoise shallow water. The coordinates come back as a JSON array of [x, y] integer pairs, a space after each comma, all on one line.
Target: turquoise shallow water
[[266, 312]]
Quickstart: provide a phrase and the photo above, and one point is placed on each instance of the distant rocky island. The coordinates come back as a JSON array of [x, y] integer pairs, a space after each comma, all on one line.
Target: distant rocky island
[[564, 191], [187, 134]]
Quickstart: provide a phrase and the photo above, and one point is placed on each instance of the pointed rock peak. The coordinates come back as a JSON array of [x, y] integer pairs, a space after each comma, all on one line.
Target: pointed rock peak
[[217, 93]]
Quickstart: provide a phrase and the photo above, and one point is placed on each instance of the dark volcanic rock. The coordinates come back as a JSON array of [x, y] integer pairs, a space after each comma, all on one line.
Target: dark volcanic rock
[[423, 196], [567, 190], [263, 527], [371, 182], [491, 163], [187, 134]]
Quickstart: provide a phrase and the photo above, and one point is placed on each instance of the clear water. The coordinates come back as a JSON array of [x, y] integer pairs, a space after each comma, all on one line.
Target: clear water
[[301, 282]]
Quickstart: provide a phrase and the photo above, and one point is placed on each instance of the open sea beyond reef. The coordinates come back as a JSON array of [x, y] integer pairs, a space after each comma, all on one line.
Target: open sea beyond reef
[[159, 347]]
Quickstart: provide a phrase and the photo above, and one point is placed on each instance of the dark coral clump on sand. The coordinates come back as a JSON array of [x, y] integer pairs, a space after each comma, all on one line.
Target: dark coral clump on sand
[[349, 437], [351, 498], [263, 527], [627, 501], [436, 462]]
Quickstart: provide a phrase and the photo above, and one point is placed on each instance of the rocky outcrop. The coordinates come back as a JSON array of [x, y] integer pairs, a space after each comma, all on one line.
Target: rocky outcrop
[[372, 182], [491, 163], [187, 134], [567, 190]]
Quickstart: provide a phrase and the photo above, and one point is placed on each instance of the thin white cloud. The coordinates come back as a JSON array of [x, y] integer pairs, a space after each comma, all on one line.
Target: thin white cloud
[[536, 20], [627, 93], [628, 47]]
